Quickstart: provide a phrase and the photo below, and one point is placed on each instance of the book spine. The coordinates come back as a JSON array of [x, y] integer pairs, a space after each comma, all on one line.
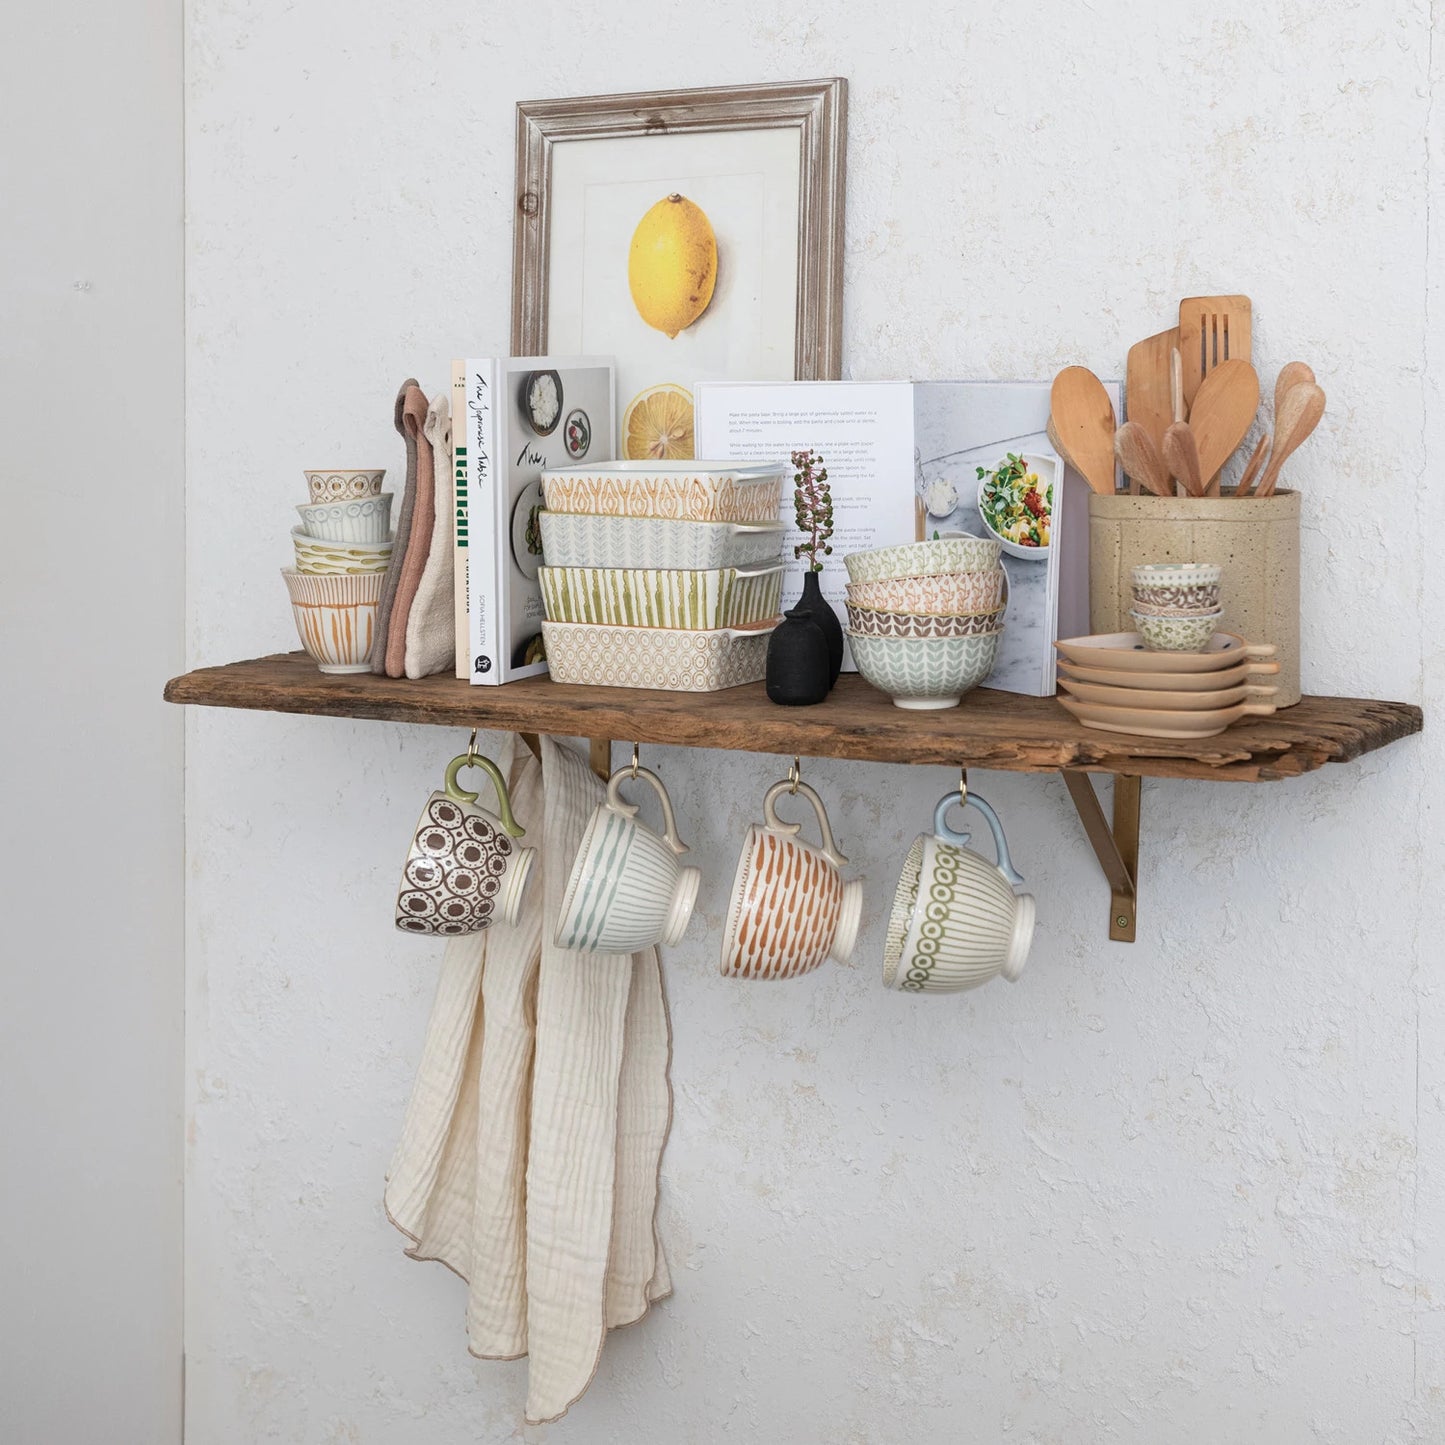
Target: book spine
[[484, 478], [459, 518]]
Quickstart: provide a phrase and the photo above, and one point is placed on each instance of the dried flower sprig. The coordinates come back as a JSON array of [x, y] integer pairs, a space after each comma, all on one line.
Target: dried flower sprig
[[812, 508]]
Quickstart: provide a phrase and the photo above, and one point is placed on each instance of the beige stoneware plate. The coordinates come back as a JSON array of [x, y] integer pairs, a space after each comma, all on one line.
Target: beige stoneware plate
[[1137, 697], [1154, 723], [1125, 650], [1235, 676]]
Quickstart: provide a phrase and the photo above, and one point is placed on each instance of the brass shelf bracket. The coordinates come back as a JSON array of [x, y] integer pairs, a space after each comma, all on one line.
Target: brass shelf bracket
[[1116, 845]]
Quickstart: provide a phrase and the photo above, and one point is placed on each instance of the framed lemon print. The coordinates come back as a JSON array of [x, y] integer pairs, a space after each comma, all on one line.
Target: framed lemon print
[[694, 235]]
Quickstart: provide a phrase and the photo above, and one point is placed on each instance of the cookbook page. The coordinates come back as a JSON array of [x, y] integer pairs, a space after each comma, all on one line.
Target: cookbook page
[[863, 432]]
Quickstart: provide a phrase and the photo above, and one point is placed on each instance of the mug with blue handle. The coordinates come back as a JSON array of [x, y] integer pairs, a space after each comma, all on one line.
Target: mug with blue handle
[[957, 919]]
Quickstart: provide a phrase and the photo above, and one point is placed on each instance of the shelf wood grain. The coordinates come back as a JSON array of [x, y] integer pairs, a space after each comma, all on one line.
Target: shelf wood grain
[[989, 730]]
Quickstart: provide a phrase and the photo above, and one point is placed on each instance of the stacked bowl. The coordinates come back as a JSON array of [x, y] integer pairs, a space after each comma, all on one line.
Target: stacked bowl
[[343, 547], [925, 618], [1176, 604], [660, 574]]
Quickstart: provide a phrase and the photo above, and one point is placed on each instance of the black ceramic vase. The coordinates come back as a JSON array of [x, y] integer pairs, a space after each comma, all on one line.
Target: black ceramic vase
[[798, 660], [826, 620]]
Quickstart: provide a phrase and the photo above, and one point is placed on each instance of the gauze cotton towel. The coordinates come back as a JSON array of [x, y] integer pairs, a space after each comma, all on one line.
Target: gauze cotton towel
[[529, 1158], [431, 637], [416, 405]]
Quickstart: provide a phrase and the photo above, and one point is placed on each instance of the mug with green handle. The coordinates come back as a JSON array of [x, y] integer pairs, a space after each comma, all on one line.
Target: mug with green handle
[[463, 872], [957, 920]]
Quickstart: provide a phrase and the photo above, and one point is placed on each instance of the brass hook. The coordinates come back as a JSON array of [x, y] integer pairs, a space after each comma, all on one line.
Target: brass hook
[[962, 786], [795, 776], [634, 760], [472, 753]]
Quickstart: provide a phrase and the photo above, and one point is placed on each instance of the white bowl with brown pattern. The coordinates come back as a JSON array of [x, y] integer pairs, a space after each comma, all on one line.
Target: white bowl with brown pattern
[[949, 594], [867, 623]]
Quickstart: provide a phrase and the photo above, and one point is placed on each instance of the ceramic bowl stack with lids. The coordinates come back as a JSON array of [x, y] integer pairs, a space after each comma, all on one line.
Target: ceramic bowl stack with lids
[[343, 547], [661, 574], [925, 618]]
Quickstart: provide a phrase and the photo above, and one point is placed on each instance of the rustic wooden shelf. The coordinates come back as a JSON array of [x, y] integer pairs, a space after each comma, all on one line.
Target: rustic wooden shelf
[[989, 730]]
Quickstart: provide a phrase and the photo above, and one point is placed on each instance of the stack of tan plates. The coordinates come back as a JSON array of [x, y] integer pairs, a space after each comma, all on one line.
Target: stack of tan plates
[[1111, 682]]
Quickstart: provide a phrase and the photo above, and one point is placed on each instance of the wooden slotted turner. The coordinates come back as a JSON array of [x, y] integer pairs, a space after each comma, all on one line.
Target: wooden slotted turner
[[1212, 329]]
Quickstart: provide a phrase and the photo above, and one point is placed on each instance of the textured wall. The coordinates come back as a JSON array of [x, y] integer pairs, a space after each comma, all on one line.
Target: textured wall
[[1172, 1192]]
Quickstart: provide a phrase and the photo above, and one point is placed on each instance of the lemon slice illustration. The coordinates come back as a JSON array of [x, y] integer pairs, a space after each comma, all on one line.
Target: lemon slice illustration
[[657, 426]]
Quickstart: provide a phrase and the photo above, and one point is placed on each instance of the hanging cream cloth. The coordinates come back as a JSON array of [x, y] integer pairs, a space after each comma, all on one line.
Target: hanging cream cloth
[[529, 1158]]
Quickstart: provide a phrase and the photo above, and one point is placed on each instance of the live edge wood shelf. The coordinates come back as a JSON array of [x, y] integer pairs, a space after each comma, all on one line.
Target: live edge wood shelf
[[989, 730]]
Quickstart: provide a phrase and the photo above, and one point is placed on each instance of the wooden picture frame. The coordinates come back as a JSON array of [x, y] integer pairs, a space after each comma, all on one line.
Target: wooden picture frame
[[815, 110]]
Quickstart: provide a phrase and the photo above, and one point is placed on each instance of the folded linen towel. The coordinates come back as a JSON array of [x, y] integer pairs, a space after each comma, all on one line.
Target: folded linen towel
[[529, 1158], [419, 536], [431, 636]]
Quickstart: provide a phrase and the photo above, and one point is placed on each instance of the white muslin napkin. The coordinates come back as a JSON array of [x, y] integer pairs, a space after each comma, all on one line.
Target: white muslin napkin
[[529, 1158]]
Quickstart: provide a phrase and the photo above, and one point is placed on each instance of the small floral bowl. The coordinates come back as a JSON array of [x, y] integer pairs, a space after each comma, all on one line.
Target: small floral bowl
[[345, 485], [1176, 634], [873, 623], [925, 672], [1155, 609], [945, 596], [924, 559]]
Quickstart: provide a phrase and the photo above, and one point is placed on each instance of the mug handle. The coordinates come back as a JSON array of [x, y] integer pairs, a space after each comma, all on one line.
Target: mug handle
[[789, 830], [459, 794], [942, 830], [618, 804]]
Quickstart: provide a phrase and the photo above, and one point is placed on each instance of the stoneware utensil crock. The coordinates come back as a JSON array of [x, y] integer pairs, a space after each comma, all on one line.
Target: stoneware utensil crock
[[956, 920], [463, 872], [627, 891], [789, 908]]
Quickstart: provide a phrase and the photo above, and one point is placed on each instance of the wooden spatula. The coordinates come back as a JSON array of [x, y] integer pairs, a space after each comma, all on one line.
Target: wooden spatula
[[1256, 461], [1212, 329], [1141, 460], [1299, 414], [1082, 418], [1223, 411], [1146, 384], [1181, 456]]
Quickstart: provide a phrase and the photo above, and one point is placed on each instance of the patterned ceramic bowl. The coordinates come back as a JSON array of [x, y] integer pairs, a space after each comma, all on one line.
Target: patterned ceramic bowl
[[656, 657], [1193, 597], [657, 597], [1176, 574], [344, 486], [924, 559], [690, 491], [945, 596], [335, 617], [576, 539], [1176, 634], [925, 673], [910, 624], [1152, 609], [367, 519], [315, 555]]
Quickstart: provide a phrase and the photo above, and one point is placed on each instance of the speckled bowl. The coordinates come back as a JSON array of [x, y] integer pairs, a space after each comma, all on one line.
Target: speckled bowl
[[1176, 634], [923, 673], [924, 559]]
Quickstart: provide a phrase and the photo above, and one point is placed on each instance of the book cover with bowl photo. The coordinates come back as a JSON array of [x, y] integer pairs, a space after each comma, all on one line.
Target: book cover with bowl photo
[[523, 415]]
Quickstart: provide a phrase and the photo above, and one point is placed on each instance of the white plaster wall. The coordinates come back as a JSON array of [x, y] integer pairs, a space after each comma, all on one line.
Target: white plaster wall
[[91, 827], [1185, 1190]]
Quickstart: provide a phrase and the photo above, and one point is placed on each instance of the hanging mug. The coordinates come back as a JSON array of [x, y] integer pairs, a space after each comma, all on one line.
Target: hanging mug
[[463, 872], [627, 891], [956, 919], [790, 908]]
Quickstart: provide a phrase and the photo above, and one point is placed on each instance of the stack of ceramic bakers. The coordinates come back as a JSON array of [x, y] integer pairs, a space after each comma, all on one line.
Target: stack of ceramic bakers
[[342, 546], [1113, 682], [661, 574], [925, 618]]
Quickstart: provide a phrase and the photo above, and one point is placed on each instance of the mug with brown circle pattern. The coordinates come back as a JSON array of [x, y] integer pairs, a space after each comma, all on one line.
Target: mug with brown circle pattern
[[463, 872]]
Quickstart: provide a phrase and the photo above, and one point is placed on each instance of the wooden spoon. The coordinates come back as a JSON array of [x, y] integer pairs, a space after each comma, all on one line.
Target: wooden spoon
[[1256, 461], [1292, 373], [1082, 417], [1299, 414], [1223, 410], [1182, 456], [1140, 458]]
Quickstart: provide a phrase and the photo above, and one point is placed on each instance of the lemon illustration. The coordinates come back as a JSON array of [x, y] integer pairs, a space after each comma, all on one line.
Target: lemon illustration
[[657, 426], [672, 264]]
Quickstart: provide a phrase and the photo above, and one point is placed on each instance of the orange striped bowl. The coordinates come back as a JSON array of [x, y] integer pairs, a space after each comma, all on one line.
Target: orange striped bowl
[[336, 616]]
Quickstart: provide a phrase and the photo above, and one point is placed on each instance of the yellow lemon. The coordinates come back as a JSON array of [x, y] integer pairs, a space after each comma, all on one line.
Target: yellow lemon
[[672, 264], [657, 426]]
